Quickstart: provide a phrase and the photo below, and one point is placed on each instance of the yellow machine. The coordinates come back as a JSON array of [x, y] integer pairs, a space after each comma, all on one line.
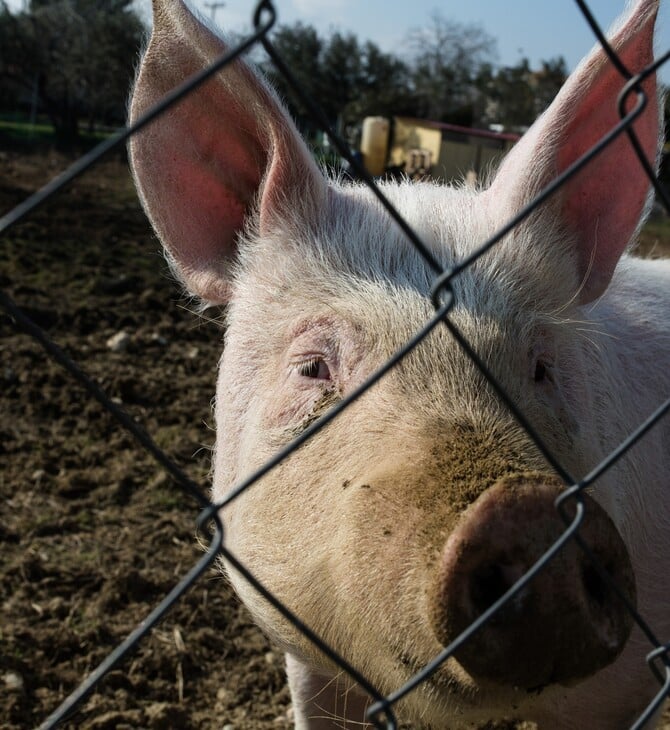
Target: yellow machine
[[420, 148]]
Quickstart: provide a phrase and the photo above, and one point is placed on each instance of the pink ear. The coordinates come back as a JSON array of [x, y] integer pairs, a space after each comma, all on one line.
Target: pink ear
[[225, 152], [603, 203]]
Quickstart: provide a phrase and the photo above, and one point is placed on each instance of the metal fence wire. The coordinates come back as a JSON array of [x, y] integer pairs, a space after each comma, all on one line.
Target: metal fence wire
[[571, 504]]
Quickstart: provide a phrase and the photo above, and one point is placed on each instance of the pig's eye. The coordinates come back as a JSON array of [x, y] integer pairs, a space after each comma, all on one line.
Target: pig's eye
[[543, 371], [315, 368]]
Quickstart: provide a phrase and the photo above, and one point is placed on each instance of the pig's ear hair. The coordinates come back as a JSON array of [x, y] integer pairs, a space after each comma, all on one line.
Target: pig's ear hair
[[602, 204], [223, 154]]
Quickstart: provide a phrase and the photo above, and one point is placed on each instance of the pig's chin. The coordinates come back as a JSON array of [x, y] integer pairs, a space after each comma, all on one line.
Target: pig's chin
[[451, 698]]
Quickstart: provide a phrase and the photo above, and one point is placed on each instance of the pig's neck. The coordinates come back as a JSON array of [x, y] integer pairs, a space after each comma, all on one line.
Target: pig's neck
[[633, 318]]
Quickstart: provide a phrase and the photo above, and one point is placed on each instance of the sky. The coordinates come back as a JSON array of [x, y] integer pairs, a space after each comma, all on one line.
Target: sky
[[536, 29]]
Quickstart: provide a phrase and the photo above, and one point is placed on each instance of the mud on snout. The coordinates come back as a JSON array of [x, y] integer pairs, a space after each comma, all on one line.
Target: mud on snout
[[563, 625]]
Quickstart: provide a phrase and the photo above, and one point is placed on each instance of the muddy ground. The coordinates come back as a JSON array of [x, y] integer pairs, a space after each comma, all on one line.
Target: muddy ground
[[94, 533]]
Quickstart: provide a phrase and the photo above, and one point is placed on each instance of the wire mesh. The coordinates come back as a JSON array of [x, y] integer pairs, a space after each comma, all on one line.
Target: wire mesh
[[382, 710]]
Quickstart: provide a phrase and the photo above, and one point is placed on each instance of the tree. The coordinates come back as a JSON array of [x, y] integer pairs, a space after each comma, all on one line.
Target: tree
[[446, 59], [76, 56], [547, 82], [347, 80], [512, 95], [385, 87], [515, 96], [300, 47]]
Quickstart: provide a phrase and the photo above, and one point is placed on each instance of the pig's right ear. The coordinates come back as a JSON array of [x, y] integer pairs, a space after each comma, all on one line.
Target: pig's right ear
[[225, 152], [600, 206]]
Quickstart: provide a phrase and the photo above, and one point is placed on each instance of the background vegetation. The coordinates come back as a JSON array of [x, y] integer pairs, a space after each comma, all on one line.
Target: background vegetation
[[70, 63]]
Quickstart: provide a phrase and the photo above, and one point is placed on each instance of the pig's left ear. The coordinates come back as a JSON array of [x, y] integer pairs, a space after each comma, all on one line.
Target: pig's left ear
[[603, 203], [224, 156]]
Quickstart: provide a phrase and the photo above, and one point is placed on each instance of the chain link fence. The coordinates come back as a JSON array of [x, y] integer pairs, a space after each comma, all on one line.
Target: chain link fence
[[571, 505]]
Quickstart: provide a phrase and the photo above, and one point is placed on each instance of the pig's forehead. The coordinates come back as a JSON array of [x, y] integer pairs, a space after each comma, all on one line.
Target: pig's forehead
[[382, 310], [352, 234], [352, 251], [451, 221], [530, 269]]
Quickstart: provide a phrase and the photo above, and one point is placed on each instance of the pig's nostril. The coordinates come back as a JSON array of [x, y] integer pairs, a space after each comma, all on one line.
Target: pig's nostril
[[487, 585], [595, 585]]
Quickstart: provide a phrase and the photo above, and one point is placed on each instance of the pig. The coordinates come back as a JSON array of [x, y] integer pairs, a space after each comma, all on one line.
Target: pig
[[408, 515]]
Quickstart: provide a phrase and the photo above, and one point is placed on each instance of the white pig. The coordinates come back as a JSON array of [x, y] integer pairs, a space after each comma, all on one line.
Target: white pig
[[407, 516]]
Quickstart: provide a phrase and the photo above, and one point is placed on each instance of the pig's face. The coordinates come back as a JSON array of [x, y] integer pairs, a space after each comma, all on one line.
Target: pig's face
[[403, 520], [366, 518], [311, 317]]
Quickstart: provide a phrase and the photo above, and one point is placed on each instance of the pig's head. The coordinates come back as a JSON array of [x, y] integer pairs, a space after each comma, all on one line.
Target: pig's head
[[399, 523]]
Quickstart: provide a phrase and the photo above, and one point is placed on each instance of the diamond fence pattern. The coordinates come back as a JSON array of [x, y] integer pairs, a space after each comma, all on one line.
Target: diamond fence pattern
[[571, 504]]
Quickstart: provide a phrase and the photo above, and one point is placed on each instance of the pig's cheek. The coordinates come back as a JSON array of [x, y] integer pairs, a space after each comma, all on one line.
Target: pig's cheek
[[554, 400], [295, 407]]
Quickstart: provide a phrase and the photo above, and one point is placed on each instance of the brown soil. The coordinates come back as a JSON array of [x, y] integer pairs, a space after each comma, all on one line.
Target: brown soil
[[94, 533]]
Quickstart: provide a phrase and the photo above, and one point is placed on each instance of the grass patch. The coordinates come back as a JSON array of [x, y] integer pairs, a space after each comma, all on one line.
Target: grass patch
[[43, 133]]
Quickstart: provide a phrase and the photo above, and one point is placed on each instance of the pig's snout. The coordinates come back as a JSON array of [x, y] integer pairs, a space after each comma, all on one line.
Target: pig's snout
[[562, 626]]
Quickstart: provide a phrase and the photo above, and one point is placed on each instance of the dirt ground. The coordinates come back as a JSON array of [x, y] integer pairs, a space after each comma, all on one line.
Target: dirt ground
[[93, 531]]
